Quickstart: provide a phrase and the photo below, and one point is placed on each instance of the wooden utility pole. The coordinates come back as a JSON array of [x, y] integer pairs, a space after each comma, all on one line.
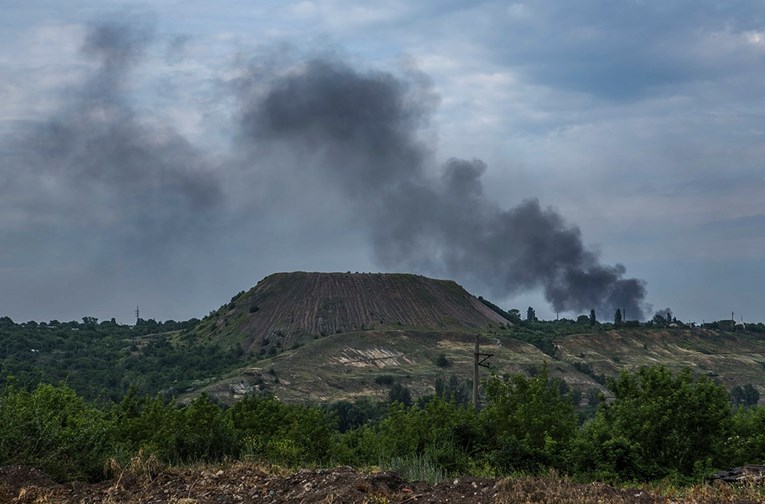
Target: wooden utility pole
[[475, 374], [479, 359]]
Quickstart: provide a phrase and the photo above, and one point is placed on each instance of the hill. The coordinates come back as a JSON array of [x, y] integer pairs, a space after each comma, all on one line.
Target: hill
[[366, 363], [288, 309], [330, 336]]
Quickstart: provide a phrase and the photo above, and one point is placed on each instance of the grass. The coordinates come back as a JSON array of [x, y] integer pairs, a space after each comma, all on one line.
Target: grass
[[313, 371], [416, 468]]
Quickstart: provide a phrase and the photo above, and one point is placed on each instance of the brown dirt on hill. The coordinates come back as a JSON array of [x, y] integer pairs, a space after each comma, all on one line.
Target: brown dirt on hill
[[247, 483], [286, 308]]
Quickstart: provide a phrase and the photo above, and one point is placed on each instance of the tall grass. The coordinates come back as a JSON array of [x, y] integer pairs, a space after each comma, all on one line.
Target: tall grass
[[416, 467]]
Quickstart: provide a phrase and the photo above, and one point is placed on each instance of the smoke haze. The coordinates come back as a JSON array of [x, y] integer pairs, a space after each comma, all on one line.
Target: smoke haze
[[97, 161], [140, 191]]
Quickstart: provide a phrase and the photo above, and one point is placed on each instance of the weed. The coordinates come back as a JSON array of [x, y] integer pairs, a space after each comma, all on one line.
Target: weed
[[416, 468]]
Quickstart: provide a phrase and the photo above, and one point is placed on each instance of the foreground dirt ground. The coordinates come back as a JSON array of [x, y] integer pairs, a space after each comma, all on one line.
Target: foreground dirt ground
[[245, 483]]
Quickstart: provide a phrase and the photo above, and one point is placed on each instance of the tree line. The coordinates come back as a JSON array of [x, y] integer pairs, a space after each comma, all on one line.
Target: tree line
[[101, 360]]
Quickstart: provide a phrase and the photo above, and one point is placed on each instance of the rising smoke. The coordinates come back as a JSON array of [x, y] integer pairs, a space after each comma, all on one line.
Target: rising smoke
[[117, 169], [139, 188], [363, 130]]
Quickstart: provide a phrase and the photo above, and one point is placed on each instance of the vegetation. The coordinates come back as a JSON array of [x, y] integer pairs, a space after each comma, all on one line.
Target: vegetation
[[659, 425], [102, 360], [88, 395]]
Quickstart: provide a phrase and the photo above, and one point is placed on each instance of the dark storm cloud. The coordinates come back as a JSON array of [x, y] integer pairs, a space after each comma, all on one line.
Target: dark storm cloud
[[364, 132]]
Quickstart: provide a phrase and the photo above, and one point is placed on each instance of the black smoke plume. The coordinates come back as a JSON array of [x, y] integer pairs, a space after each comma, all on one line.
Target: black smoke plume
[[364, 131], [103, 192]]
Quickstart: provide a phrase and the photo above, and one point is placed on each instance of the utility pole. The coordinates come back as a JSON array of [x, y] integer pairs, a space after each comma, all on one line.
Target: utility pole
[[475, 374], [479, 359]]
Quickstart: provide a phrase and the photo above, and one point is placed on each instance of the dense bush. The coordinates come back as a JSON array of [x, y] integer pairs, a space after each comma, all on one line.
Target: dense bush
[[54, 429], [444, 433], [656, 424], [531, 422], [199, 431], [287, 434], [747, 442]]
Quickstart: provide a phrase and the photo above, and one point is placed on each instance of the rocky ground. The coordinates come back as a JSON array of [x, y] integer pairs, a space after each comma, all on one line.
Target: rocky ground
[[248, 483]]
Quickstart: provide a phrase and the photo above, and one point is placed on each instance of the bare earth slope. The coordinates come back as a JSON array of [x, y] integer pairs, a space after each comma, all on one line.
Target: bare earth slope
[[289, 308]]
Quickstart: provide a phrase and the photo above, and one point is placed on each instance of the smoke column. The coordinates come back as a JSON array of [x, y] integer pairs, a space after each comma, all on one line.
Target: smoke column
[[102, 189], [363, 131]]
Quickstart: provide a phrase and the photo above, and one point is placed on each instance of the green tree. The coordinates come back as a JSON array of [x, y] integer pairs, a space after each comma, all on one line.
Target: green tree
[[618, 318], [529, 422], [747, 444], [593, 319], [400, 393], [453, 390], [531, 315], [744, 396], [205, 432], [349, 415], [89, 322], [658, 424]]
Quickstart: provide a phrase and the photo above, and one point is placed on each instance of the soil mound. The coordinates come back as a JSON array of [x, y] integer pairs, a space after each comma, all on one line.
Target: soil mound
[[288, 308]]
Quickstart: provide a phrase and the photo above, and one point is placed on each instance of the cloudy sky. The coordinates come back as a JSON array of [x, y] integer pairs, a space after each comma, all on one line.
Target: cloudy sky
[[558, 154]]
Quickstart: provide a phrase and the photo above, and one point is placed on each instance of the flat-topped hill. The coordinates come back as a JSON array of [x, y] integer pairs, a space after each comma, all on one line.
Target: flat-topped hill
[[285, 309]]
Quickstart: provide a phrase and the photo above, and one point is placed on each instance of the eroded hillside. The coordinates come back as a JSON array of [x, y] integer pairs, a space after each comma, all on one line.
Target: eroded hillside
[[286, 309]]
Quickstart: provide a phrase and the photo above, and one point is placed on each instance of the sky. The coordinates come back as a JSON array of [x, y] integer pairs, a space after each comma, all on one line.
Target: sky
[[555, 154]]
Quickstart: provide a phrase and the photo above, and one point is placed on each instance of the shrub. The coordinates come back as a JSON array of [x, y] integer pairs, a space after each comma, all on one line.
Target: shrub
[[56, 430], [747, 442], [199, 431], [442, 361], [385, 379], [400, 393], [281, 433], [531, 424], [441, 436], [658, 424]]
